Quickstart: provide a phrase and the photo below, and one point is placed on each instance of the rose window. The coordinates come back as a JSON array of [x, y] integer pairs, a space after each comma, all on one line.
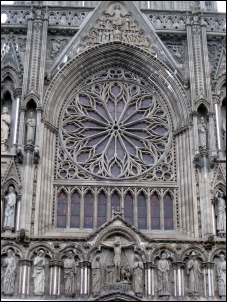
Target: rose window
[[115, 130]]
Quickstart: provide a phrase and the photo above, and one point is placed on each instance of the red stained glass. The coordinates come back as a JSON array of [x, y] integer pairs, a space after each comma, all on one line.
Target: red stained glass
[[62, 211], [155, 212], [88, 211], [75, 211], [128, 209], [102, 209], [142, 212], [168, 213]]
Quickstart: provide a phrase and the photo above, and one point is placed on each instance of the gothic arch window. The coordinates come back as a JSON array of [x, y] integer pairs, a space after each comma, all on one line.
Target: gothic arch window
[[88, 211], [115, 201], [142, 212], [75, 210], [62, 210], [168, 212], [155, 212], [102, 209], [128, 208]]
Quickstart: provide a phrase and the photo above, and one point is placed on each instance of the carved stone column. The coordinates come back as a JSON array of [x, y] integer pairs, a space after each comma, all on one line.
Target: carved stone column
[[210, 277], [178, 269], [85, 276], [55, 277], [148, 266], [21, 126], [205, 278], [25, 276]]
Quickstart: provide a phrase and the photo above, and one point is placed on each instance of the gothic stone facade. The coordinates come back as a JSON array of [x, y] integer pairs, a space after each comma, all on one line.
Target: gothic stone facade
[[113, 140]]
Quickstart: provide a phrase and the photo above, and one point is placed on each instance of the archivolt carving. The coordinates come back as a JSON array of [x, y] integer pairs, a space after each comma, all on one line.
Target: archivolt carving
[[115, 130]]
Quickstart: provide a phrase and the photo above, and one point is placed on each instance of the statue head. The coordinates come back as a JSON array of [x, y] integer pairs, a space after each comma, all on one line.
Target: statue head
[[41, 253], [70, 254], [11, 189], [222, 257], [5, 110], [202, 120], [97, 258], [9, 253], [117, 243], [136, 258], [193, 255], [221, 194], [31, 114], [164, 256], [117, 6]]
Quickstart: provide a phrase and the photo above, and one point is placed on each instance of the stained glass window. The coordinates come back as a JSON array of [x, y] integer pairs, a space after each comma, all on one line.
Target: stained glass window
[[168, 212], [88, 211], [62, 210], [128, 208], [142, 212], [115, 201], [75, 211], [102, 209], [155, 212]]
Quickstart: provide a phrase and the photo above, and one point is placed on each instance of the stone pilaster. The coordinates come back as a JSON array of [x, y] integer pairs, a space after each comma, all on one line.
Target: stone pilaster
[[178, 269], [85, 269]]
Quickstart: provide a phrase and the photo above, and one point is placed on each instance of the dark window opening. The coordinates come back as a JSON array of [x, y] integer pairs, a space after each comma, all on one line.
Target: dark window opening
[[155, 212], [62, 210]]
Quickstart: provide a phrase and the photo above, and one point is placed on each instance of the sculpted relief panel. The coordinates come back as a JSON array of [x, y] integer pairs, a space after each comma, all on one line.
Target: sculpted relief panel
[[117, 24]]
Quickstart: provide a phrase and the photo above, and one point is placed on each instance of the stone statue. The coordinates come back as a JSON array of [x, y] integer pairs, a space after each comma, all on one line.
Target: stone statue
[[96, 278], [30, 129], [117, 246], [138, 277], [221, 213], [193, 270], [5, 122], [39, 273], [116, 17], [9, 272], [224, 133], [69, 274], [163, 276], [221, 272], [10, 208], [126, 274], [110, 272], [202, 128]]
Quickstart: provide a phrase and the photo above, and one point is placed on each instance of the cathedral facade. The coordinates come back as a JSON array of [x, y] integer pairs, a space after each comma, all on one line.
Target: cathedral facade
[[113, 151]]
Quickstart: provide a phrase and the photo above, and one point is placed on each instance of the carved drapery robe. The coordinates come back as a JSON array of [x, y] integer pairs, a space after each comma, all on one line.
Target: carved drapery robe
[[5, 122], [193, 271], [221, 214], [10, 210], [163, 274], [138, 277], [96, 278], [202, 135], [30, 130], [39, 275], [9, 267], [69, 275], [221, 272]]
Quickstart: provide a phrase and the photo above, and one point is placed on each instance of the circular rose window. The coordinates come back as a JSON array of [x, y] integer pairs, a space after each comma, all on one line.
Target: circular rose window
[[115, 130]]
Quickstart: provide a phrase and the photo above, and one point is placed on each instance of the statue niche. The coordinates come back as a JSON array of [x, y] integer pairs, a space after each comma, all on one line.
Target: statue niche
[[10, 210], [220, 211], [220, 274]]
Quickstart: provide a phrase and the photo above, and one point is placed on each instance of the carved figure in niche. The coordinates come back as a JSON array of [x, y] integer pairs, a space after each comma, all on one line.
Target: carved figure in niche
[[126, 273], [116, 17], [117, 35], [5, 122], [96, 277], [193, 270], [69, 265], [9, 273], [128, 20], [163, 275], [224, 133], [10, 208], [138, 277], [30, 129], [202, 128], [221, 213], [93, 37], [117, 247], [39, 273], [22, 44], [110, 272], [221, 273]]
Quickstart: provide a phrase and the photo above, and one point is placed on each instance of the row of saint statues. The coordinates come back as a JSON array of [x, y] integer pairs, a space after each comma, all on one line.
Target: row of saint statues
[[5, 129], [135, 278]]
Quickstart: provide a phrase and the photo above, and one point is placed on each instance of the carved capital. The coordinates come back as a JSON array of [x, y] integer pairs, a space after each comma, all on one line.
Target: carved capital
[[25, 262], [22, 109], [85, 264], [148, 265], [17, 92], [55, 262], [39, 109], [216, 99]]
